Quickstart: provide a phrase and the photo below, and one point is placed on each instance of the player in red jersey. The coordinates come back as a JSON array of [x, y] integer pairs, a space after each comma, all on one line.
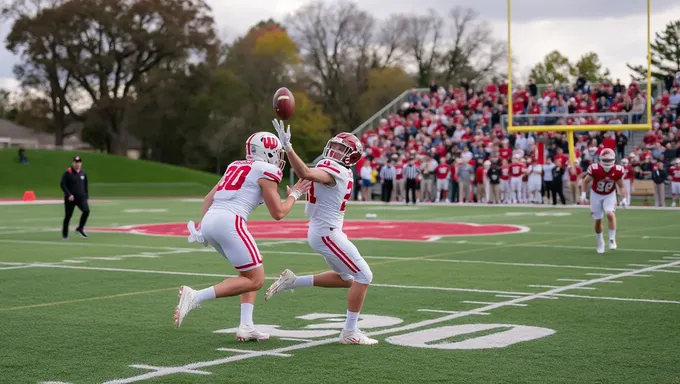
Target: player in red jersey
[[629, 178], [674, 173], [505, 182], [605, 176], [516, 172], [442, 174]]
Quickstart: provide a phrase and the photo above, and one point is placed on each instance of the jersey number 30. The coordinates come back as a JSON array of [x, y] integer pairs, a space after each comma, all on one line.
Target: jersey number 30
[[312, 199], [234, 178]]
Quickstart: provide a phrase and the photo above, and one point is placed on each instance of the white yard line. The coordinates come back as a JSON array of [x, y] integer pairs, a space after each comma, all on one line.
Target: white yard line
[[488, 303], [558, 286], [204, 364], [17, 267], [450, 312]]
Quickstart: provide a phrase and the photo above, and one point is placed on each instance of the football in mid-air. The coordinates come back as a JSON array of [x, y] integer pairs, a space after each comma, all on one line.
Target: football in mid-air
[[284, 103]]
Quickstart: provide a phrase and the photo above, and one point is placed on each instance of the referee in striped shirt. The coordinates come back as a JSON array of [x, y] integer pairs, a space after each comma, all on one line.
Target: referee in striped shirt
[[387, 175], [411, 174]]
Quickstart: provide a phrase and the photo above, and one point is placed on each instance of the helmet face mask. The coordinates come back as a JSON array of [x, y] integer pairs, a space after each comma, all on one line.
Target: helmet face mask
[[344, 148], [607, 159]]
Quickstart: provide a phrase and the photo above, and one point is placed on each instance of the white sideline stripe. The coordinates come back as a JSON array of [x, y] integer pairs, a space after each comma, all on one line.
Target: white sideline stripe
[[236, 350], [73, 261], [663, 270], [658, 261], [639, 265], [495, 263], [671, 257], [598, 274], [487, 303], [153, 368], [589, 248], [48, 265], [189, 250], [295, 339], [408, 327], [54, 382], [660, 301], [557, 286], [450, 312]]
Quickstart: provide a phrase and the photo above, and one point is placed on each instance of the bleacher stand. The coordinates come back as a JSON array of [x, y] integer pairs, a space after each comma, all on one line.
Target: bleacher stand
[[466, 125]]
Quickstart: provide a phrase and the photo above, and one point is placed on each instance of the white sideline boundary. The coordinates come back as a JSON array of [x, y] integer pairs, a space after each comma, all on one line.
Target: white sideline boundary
[[164, 371], [417, 258], [418, 287]]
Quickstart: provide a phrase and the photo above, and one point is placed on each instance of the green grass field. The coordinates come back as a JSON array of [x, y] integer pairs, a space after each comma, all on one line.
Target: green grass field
[[538, 306], [109, 175]]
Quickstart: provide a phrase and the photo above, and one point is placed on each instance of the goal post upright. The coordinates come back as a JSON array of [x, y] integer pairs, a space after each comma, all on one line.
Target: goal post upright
[[570, 129]]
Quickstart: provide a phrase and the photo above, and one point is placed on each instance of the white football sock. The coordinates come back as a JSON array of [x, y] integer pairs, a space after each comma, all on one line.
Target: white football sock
[[205, 294], [600, 237], [247, 314], [612, 234], [304, 281], [351, 322]]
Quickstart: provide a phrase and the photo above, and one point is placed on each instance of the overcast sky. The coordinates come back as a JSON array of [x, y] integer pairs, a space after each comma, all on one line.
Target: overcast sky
[[615, 29]]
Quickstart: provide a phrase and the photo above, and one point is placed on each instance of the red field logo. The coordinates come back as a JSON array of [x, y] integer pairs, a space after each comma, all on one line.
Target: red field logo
[[362, 230]]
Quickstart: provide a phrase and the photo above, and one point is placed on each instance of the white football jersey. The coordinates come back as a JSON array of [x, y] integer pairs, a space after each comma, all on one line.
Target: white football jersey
[[326, 204], [238, 191], [536, 170]]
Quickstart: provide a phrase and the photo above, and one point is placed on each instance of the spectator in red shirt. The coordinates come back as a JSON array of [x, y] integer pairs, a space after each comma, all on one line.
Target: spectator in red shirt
[[575, 173]]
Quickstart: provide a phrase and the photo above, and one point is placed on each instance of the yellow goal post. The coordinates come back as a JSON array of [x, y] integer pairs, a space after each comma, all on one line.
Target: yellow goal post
[[570, 129]]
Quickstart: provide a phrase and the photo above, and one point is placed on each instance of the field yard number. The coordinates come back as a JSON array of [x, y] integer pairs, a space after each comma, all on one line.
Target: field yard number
[[512, 335], [508, 334], [334, 323]]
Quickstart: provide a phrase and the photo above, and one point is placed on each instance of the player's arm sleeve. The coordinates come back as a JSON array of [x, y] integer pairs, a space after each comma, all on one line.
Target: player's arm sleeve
[[64, 184], [333, 169], [272, 174]]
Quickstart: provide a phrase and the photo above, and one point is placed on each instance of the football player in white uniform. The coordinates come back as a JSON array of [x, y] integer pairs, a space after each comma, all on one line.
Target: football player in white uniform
[[535, 179], [332, 187], [245, 185]]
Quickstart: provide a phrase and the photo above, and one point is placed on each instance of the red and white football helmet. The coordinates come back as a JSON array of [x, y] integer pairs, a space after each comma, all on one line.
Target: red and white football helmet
[[607, 159], [344, 148], [265, 146]]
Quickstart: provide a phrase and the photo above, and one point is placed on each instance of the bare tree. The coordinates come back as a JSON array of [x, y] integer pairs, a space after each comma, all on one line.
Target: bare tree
[[472, 49], [389, 46], [336, 42], [422, 42]]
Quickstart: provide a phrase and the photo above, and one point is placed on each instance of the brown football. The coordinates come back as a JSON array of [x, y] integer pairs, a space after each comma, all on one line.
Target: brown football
[[284, 103]]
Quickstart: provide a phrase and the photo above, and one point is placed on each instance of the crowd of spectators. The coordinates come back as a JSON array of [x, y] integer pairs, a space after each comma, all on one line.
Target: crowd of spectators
[[454, 136]]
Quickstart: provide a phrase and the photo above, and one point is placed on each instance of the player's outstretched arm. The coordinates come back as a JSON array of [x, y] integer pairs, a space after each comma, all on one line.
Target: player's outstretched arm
[[301, 169], [584, 186], [622, 191], [277, 208]]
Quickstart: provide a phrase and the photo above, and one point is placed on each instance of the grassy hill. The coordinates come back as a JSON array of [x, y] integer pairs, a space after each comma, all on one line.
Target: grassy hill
[[109, 175]]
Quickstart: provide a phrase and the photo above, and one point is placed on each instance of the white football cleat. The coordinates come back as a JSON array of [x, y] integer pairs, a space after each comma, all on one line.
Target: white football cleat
[[284, 283], [356, 337], [187, 302], [600, 247], [612, 244], [250, 333]]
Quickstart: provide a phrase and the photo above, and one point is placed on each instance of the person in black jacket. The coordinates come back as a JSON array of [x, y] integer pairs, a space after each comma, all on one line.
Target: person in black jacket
[[659, 176], [74, 185], [557, 186]]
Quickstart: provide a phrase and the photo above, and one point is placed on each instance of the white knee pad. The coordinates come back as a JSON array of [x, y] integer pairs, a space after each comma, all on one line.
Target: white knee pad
[[365, 276]]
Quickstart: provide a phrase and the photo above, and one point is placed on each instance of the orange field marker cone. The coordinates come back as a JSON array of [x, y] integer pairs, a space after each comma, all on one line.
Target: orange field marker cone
[[29, 196]]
